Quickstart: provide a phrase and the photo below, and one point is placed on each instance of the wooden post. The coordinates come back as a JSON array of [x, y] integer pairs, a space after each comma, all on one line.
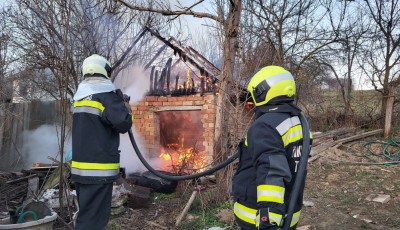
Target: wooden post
[[151, 80], [168, 66], [155, 83], [389, 111], [186, 209], [162, 81], [202, 84], [176, 83]]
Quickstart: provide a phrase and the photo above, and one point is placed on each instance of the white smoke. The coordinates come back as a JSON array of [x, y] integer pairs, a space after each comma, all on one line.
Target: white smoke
[[41, 143], [135, 83]]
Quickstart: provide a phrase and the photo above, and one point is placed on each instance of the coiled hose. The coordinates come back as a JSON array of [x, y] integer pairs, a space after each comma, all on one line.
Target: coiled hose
[[385, 154], [177, 178]]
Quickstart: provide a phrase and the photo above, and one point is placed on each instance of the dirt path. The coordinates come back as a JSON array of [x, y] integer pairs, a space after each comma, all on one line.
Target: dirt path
[[339, 191]]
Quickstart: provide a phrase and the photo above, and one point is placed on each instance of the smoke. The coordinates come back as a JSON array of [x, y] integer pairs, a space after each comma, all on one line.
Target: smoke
[[181, 127], [40, 143], [135, 83]]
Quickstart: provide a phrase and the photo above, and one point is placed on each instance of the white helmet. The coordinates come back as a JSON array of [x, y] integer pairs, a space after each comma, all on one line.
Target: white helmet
[[96, 65]]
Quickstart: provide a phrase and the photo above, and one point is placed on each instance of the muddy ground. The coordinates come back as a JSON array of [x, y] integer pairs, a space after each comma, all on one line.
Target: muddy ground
[[338, 191]]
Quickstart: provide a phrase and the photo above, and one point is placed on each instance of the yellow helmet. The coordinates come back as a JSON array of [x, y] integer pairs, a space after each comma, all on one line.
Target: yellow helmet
[[96, 65], [272, 84]]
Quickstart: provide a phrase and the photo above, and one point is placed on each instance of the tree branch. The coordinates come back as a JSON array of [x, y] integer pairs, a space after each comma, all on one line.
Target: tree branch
[[170, 12]]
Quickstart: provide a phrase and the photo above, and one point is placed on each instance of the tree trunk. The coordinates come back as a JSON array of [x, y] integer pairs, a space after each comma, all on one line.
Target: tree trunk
[[221, 144], [389, 111]]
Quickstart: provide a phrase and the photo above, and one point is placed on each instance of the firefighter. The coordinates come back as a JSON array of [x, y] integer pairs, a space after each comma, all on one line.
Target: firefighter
[[270, 153], [99, 116]]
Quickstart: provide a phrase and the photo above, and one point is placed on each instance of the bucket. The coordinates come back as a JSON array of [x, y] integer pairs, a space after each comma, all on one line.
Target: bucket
[[45, 223]]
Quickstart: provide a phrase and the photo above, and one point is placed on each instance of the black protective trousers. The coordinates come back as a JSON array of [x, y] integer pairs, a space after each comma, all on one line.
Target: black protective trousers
[[94, 205]]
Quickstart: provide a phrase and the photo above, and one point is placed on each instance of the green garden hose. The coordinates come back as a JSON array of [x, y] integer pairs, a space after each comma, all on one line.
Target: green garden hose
[[385, 154], [21, 218]]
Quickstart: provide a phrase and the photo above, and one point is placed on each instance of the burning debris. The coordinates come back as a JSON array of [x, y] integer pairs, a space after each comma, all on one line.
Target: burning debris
[[180, 136]]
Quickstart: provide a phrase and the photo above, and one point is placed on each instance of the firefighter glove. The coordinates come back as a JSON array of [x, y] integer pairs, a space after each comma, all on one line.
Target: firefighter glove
[[263, 220], [128, 106]]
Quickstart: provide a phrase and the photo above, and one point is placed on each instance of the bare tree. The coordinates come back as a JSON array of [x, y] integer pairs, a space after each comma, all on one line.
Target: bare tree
[[382, 52], [5, 59], [95, 27], [343, 59], [294, 32]]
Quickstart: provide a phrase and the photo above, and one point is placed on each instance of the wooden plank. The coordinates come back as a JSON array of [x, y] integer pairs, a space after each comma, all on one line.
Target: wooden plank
[[40, 165], [359, 136], [54, 160], [319, 149], [186, 209], [21, 179], [333, 133]]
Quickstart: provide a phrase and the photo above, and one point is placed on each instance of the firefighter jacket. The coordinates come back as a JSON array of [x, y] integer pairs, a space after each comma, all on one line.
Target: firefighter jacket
[[98, 120], [267, 166]]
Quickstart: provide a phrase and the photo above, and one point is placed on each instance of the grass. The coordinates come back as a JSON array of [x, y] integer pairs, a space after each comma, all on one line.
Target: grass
[[389, 220], [363, 175], [347, 198], [329, 112], [206, 215], [158, 196]]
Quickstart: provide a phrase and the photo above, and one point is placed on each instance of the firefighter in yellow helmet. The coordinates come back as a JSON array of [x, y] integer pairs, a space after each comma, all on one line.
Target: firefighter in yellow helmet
[[269, 154], [100, 115]]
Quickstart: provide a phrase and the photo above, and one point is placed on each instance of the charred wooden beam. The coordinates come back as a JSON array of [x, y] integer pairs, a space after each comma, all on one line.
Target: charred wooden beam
[[193, 87], [176, 83], [202, 84], [162, 80], [151, 79], [218, 71], [155, 83], [168, 65], [180, 51]]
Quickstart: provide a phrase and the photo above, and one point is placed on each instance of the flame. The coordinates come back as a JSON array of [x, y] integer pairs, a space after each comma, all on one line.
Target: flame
[[188, 74], [179, 142], [249, 105], [181, 160]]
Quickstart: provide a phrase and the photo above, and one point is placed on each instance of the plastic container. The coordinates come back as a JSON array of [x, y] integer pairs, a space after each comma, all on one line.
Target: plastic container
[[42, 224]]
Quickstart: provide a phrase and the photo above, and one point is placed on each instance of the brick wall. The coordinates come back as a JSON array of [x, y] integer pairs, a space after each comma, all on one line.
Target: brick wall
[[146, 122]]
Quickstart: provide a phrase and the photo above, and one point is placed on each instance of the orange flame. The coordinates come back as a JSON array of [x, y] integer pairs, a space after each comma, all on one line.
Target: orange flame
[[180, 160]]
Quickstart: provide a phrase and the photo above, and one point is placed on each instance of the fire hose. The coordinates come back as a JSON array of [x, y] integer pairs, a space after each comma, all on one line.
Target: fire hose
[[301, 173], [296, 187], [177, 178]]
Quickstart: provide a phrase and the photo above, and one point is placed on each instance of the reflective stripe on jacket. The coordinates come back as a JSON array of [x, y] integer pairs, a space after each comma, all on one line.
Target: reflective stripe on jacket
[[97, 122], [267, 163], [249, 215]]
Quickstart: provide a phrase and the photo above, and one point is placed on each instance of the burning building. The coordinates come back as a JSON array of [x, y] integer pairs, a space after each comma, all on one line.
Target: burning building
[[176, 117]]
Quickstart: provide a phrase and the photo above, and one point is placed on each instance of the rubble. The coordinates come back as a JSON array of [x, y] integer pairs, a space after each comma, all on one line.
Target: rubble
[[360, 217], [51, 198], [380, 198], [119, 199], [308, 203]]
